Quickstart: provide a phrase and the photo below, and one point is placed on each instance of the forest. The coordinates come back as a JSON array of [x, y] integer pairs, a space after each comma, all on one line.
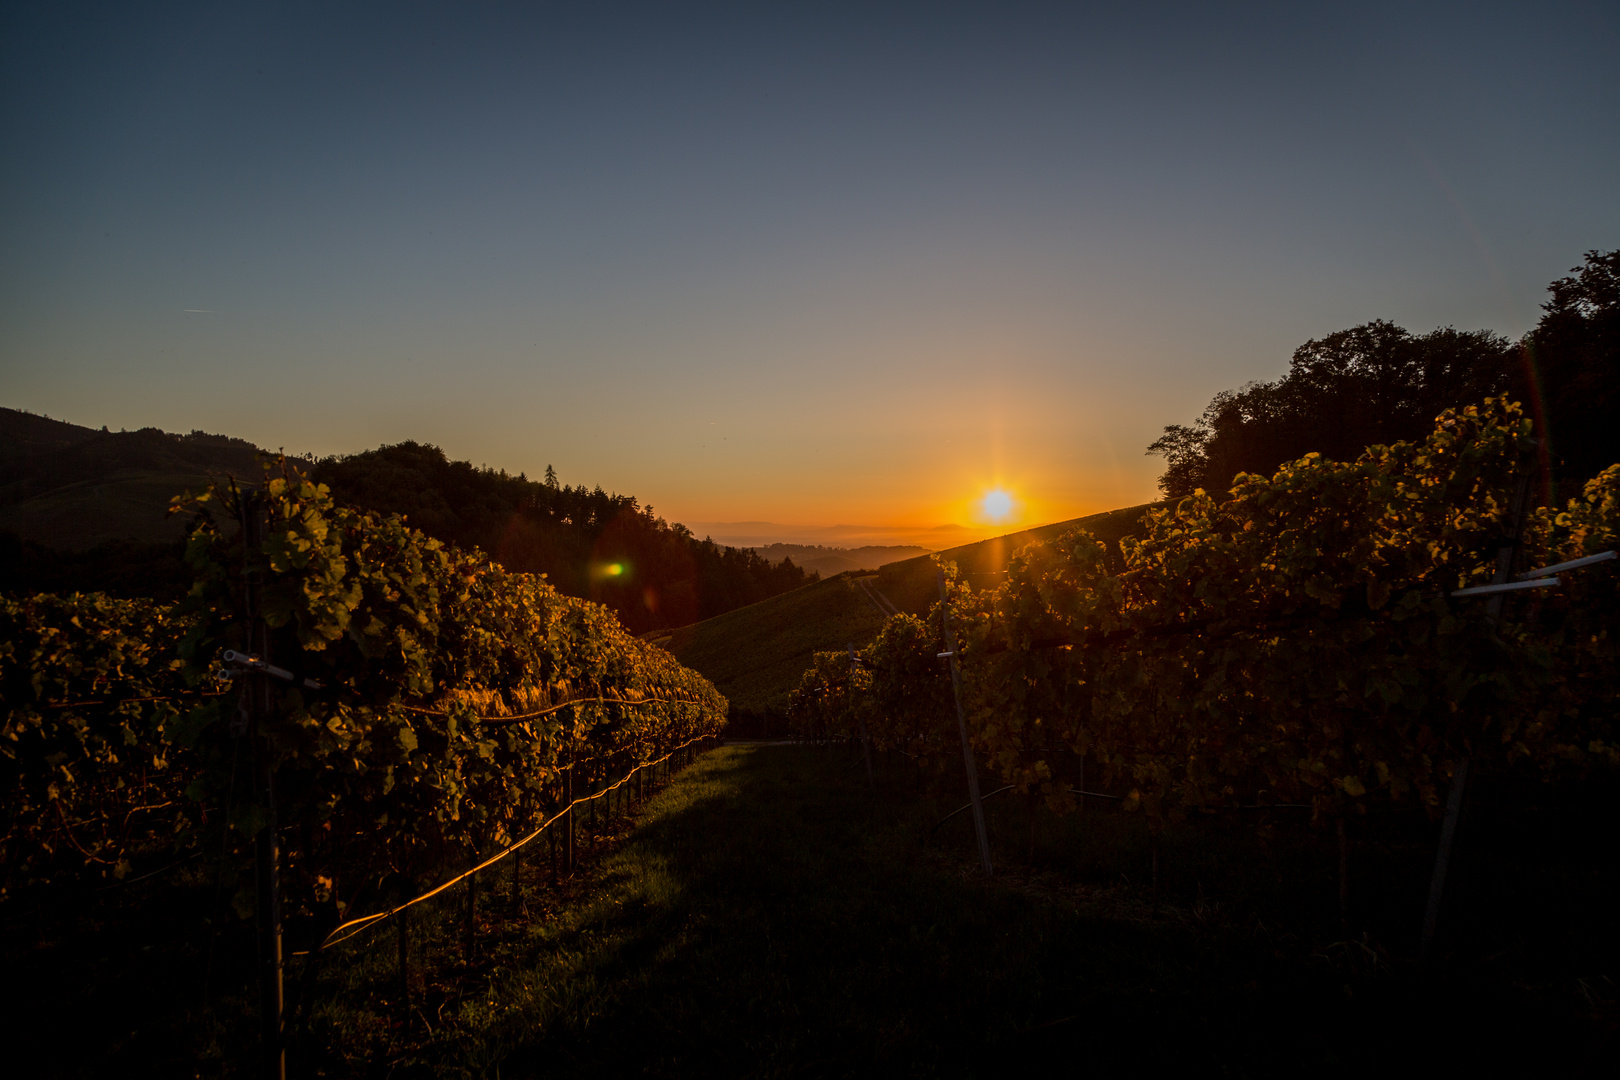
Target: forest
[[589, 543]]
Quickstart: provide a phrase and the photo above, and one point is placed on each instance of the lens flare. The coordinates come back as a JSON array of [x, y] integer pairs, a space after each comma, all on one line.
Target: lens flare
[[613, 569]]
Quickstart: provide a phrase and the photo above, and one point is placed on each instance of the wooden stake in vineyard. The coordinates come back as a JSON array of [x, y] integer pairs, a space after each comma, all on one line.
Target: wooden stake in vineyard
[[860, 718], [949, 639], [568, 820], [266, 856], [1502, 582], [1454, 801]]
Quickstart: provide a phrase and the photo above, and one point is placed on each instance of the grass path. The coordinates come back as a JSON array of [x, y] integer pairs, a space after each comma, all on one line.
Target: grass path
[[770, 917]]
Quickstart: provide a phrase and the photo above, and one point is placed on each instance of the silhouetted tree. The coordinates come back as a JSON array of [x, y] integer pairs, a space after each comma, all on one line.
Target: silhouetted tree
[[1572, 369], [1374, 383]]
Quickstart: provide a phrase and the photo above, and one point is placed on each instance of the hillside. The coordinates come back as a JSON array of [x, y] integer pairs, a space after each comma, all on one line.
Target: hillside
[[912, 585], [73, 488], [588, 542], [82, 510], [756, 654]]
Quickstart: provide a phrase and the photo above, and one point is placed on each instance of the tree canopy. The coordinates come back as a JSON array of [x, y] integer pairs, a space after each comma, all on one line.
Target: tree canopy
[[1574, 354], [1377, 384]]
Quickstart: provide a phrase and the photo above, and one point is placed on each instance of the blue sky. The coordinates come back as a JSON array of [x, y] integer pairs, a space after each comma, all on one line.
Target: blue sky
[[810, 264]]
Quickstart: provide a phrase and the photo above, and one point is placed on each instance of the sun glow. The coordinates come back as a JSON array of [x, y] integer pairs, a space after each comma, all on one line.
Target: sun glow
[[997, 505]]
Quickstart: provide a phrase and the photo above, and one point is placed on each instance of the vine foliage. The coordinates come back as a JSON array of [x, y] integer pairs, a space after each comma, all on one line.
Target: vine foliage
[[1292, 642], [452, 696]]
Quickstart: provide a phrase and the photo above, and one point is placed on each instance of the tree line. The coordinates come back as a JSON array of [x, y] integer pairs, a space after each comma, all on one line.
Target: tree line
[[1378, 384], [589, 543]]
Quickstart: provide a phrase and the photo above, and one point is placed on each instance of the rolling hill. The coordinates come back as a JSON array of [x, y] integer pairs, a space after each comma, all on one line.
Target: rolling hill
[[73, 488], [87, 510], [756, 654], [912, 586]]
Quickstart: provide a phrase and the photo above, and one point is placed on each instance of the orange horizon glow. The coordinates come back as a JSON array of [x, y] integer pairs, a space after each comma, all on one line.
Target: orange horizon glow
[[981, 508], [987, 507], [960, 508]]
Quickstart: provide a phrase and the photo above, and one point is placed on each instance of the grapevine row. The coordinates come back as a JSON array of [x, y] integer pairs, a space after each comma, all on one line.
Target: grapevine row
[[452, 698], [1294, 642]]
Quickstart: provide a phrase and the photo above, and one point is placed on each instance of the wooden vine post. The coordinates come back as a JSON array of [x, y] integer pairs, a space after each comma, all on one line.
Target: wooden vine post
[[860, 718], [470, 932], [517, 860], [1459, 781], [402, 928], [266, 856], [568, 820], [949, 638]]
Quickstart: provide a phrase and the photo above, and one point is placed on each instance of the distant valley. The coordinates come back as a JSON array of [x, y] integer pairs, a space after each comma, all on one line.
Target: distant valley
[[759, 534], [828, 561]]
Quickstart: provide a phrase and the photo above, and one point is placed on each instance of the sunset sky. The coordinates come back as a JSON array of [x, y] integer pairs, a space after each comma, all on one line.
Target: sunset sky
[[810, 264]]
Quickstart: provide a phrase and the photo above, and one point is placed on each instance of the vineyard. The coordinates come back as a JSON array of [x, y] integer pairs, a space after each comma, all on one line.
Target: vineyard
[[1300, 643], [386, 710], [395, 748]]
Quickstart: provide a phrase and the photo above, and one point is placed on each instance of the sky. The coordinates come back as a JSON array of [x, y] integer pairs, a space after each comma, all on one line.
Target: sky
[[809, 265]]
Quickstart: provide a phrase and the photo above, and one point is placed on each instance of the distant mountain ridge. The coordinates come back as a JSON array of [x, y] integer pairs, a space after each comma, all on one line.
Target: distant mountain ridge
[[830, 561], [87, 510], [756, 534]]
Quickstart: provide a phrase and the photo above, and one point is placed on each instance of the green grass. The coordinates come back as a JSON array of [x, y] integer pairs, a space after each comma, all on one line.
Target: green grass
[[129, 503], [755, 655], [768, 915], [70, 487], [912, 584]]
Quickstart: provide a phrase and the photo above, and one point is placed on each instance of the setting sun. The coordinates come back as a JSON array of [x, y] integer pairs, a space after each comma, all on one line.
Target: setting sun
[[997, 505]]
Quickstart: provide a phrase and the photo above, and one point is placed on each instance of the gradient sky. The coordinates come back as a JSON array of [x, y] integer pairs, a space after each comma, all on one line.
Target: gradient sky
[[808, 264]]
